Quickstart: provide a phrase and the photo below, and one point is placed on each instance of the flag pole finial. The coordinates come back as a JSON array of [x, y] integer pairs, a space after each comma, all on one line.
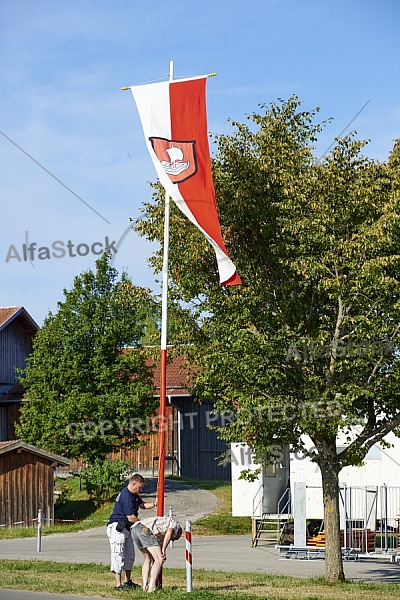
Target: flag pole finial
[[212, 75], [125, 88]]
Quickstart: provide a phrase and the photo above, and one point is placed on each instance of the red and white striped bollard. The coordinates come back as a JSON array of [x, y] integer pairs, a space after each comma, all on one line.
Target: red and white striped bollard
[[189, 558]]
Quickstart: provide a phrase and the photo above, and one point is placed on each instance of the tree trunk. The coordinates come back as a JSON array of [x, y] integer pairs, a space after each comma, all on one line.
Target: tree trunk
[[333, 553]]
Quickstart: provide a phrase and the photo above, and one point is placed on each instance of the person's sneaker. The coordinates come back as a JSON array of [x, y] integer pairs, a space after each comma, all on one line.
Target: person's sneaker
[[121, 588], [130, 585]]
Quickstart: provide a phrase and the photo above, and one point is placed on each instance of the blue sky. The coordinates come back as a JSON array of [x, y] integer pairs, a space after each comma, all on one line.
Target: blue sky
[[64, 62]]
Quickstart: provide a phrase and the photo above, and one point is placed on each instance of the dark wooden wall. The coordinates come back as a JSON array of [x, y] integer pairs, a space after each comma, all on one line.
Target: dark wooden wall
[[4, 423], [9, 416], [13, 417], [15, 346], [200, 448], [26, 484]]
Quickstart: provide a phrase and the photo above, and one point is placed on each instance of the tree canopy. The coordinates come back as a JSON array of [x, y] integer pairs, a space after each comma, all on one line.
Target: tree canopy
[[87, 389], [311, 333]]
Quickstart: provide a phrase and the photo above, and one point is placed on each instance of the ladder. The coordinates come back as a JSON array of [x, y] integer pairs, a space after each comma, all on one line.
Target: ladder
[[271, 527]]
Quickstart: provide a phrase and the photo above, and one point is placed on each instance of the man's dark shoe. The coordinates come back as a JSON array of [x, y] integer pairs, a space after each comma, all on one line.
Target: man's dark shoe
[[121, 588], [130, 585]]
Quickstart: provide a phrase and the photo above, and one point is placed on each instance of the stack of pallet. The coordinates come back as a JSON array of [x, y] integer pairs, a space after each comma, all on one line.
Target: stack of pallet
[[317, 540], [356, 538]]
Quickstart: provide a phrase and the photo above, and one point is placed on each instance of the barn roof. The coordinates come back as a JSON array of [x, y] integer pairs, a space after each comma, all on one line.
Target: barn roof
[[13, 445], [177, 377], [18, 313]]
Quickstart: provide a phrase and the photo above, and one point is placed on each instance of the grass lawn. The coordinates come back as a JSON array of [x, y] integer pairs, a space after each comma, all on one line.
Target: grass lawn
[[96, 580]]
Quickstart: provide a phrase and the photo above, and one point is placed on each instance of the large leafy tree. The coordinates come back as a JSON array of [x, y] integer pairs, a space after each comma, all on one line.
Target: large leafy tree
[[83, 385], [309, 337]]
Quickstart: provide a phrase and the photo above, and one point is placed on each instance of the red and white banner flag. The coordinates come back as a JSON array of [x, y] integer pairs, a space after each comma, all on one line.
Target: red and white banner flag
[[174, 121]]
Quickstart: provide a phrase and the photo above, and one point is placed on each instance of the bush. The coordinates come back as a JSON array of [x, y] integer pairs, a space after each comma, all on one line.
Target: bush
[[61, 494], [104, 479]]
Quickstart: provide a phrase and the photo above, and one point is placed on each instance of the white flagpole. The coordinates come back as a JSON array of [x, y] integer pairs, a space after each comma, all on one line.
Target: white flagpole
[[163, 358]]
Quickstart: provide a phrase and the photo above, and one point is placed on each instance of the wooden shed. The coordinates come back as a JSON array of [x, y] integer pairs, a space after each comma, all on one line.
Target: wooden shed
[[27, 483]]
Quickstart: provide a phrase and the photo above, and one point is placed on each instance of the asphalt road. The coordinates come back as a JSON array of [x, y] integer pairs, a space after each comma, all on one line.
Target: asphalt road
[[220, 553]]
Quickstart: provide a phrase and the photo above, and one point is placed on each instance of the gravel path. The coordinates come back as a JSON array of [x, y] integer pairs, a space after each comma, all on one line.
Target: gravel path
[[187, 501]]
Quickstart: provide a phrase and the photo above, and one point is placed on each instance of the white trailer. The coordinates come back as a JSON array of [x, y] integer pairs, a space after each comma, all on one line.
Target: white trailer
[[381, 471], [261, 495], [369, 494]]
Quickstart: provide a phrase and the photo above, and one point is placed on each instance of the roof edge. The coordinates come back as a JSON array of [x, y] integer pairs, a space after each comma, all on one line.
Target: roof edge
[[21, 311], [15, 444]]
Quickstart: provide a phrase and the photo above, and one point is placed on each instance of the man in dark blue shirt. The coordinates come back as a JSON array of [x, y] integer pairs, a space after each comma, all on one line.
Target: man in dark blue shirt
[[125, 513]]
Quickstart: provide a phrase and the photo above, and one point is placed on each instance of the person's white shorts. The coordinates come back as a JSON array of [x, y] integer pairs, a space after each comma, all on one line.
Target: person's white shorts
[[122, 549]]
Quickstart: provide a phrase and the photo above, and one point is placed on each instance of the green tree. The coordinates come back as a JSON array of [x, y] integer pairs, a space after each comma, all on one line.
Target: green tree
[[151, 335], [87, 393], [317, 245]]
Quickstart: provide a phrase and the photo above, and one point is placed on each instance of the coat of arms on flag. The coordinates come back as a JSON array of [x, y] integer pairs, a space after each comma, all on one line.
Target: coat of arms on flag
[[177, 158], [174, 120]]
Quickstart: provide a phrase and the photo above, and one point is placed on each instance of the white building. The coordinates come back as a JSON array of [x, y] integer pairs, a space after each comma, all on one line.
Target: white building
[[369, 491]]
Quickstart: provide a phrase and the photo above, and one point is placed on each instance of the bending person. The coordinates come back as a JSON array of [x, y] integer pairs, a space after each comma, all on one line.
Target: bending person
[[152, 536], [125, 513]]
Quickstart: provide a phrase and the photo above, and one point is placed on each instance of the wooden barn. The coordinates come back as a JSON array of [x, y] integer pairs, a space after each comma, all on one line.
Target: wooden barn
[[192, 448], [17, 329], [26, 483]]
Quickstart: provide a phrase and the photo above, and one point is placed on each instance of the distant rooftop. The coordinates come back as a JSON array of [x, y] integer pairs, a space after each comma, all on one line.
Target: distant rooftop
[[18, 313]]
